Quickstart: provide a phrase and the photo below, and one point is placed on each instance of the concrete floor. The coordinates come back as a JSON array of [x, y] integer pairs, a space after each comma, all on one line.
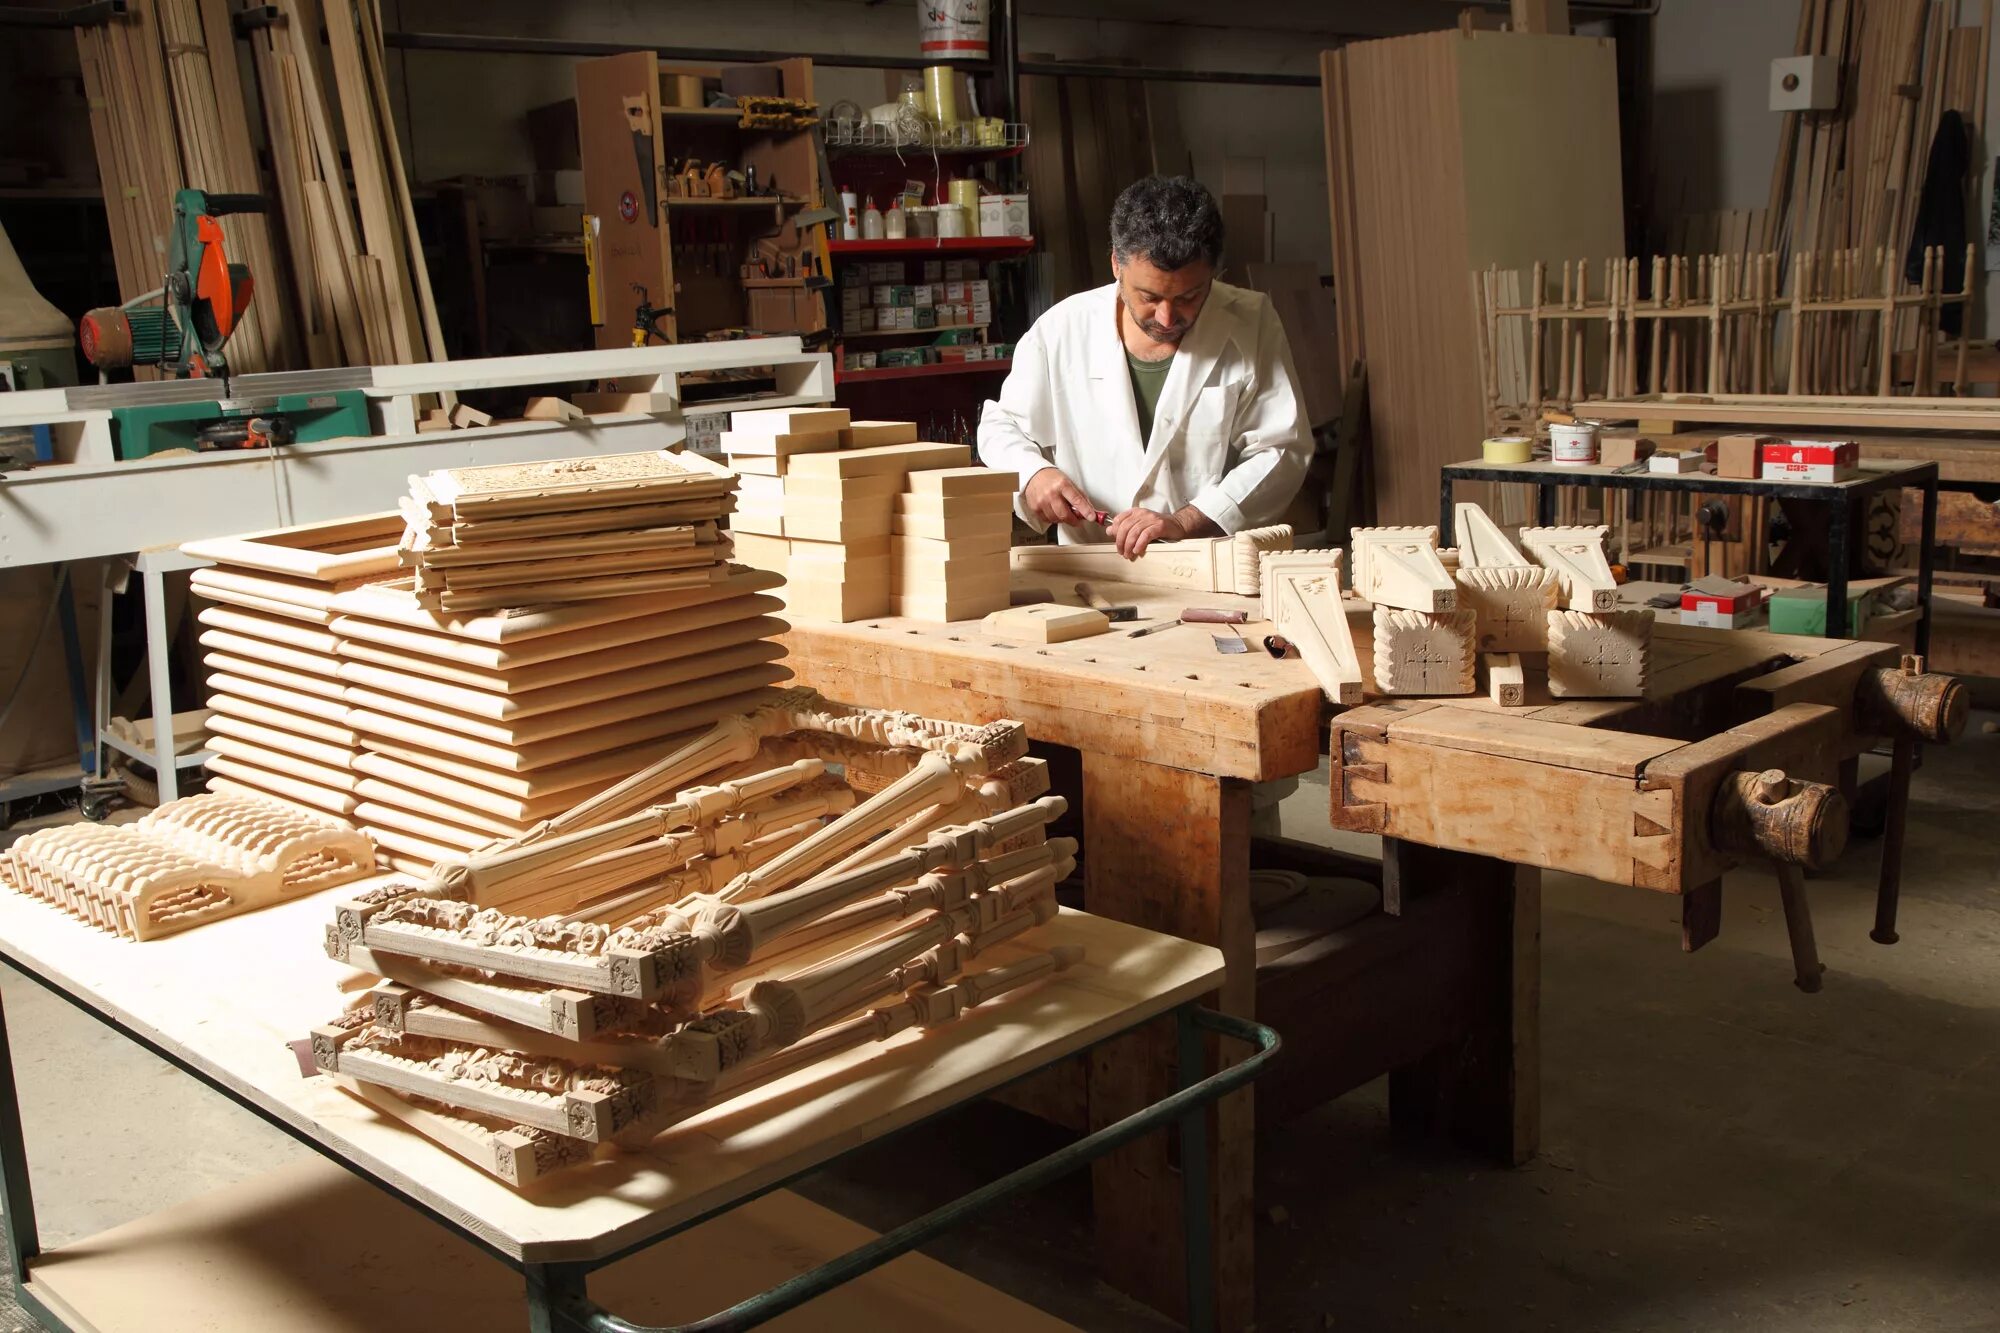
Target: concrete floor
[[1718, 1150]]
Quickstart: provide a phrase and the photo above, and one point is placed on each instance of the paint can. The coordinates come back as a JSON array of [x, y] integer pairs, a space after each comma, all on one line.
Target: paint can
[[950, 220], [953, 29], [922, 221], [1573, 446], [1508, 449]]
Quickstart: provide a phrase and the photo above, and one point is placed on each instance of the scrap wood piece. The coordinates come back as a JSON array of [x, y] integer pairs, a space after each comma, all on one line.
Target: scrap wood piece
[[1511, 604], [1047, 622], [1200, 564], [1599, 656], [1417, 652], [1506, 681], [1402, 567], [1301, 597], [1576, 554], [1481, 543]]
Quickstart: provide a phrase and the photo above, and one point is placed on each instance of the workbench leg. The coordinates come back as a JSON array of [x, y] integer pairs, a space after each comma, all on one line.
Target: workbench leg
[[1482, 1088], [1170, 850], [100, 693], [23, 1240], [547, 1285], [158, 650], [1927, 563]]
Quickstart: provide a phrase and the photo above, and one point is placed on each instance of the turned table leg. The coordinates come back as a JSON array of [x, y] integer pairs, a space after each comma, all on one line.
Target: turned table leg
[[1169, 850]]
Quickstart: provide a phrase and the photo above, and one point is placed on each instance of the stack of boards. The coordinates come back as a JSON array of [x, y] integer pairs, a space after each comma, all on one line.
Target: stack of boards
[[335, 687], [864, 520], [565, 530]]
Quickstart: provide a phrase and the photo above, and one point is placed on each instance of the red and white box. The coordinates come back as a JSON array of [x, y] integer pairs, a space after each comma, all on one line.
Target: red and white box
[[1811, 460], [1720, 603]]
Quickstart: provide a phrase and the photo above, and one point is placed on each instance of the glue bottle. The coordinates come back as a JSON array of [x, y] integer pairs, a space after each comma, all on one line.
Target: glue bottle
[[871, 222]]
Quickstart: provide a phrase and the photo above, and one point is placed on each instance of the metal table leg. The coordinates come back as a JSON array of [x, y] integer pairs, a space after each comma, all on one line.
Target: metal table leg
[[1445, 510], [158, 649], [1839, 527], [1545, 505], [23, 1242], [1926, 564]]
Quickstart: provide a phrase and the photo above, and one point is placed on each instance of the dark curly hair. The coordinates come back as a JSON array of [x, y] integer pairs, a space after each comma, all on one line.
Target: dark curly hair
[[1170, 221]]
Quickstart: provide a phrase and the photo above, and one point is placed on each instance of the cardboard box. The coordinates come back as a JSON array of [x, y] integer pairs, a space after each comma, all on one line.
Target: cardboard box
[[1003, 214], [1718, 603], [1803, 610], [1811, 460], [1674, 463], [1621, 450], [1742, 456]]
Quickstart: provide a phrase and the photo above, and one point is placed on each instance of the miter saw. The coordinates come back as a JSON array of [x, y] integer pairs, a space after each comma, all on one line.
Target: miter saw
[[199, 304]]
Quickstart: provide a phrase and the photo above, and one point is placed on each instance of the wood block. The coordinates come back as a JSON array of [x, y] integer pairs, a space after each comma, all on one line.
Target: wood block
[[1361, 544], [1481, 543], [1506, 681], [756, 489], [899, 459], [953, 547], [1299, 593], [1421, 653], [962, 588], [873, 434], [1577, 557], [759, 520], [1408, 575], [976, 505], [741, 444], [467, 417], [1512, 604], [1046, 622], [965, 527], [1741, 456], [595, 403], [941, 565], [759, 465], [771, 421], [837, 520], [840, 488], [831, 556], [956, 481], [945, 607], [760, 551], [551, 409], [1599, 656], [835, 601]]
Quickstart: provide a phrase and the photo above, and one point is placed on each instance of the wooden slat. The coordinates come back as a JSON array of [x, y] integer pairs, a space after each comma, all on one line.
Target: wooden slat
[[1587, 749]]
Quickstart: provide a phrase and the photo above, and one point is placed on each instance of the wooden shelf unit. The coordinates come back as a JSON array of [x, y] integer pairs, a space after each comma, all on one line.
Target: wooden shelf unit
[[927, 247], [625, 119]]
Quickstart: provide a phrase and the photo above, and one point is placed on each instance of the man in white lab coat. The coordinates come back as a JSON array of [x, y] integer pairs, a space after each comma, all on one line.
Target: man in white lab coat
[[1166, 401]]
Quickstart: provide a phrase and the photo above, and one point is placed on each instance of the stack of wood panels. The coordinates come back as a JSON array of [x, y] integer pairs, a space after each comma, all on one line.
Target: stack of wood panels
[[280, 726], [838, 508], [529, 534], [759, 447], [949, 544], [471, 728]]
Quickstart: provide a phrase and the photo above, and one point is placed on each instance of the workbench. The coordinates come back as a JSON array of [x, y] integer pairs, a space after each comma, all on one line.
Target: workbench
[[1172, 734], [229, 1002]]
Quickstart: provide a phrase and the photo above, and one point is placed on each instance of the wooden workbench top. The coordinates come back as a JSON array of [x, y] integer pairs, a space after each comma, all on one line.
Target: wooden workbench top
[[1171, 698], [227, 997]]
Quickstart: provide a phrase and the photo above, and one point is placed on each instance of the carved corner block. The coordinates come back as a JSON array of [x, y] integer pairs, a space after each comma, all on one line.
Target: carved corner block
[[1300, 596], [1599, 656], [1363, 541], [1511, 604], [1481, 543], [1244, 572], [1577, 557], [1420, 653]]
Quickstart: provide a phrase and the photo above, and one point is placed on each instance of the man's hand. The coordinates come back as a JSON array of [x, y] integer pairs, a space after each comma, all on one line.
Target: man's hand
[[1136, 529], [1054, 498]]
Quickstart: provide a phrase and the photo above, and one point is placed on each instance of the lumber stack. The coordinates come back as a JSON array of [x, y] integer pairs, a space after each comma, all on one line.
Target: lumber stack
[[666, 946], [822, 494], [526, 534], [949, 544]]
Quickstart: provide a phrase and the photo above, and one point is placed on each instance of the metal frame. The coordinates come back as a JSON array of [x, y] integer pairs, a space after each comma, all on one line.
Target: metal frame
[[557, 1298], [1839, 496], [152, 567]]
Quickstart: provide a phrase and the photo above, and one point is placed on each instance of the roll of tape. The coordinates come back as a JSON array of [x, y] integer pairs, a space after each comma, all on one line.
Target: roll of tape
[[1508, 449]]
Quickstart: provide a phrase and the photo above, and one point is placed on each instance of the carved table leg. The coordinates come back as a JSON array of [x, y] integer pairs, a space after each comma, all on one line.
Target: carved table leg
[[1170, 850], [1483, 1088]]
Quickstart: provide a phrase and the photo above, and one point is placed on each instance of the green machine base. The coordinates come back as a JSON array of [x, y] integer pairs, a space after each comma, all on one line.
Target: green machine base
[[331, 415]]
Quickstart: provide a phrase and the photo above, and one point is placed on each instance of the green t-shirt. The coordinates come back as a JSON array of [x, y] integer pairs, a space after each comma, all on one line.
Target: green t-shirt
[[1148, 378]]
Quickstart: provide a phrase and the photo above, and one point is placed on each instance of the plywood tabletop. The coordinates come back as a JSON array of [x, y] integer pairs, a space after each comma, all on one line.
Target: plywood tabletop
[[226, 998]]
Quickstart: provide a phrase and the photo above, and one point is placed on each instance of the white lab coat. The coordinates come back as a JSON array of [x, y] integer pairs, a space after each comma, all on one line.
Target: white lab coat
[[1229, 436]]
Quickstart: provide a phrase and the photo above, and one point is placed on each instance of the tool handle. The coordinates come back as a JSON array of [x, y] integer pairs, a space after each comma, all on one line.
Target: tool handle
[[1209, 615], [221, 205]]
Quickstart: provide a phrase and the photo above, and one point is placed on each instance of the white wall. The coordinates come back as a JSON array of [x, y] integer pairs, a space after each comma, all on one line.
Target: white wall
[[462, 113], [1715, 138]]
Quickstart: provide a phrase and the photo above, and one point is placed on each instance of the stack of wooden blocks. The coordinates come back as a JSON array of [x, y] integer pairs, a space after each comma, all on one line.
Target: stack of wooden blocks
[[532, 534], [949, 544], [821, 494]]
